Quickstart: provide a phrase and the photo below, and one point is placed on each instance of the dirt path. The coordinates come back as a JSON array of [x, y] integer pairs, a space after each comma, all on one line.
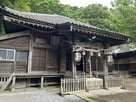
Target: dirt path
[[130, 84]]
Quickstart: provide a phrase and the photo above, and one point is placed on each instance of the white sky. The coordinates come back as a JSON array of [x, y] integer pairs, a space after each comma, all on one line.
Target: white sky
[[83, 3]]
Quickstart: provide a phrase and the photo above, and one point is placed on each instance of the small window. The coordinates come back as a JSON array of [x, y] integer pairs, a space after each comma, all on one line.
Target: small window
[[22, 56], [7, 54]]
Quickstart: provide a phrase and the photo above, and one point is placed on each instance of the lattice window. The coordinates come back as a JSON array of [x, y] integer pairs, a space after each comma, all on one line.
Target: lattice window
[[7, 54], [21, 56]]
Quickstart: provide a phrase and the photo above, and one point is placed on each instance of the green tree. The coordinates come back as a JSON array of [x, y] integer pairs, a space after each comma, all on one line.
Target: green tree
[[124, 17], [72, 12], [96, 15], [22, 5], [45, 6]]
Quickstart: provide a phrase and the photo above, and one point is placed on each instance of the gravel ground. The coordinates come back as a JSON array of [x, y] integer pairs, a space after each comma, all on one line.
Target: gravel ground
[[130, 96], [37, 96]]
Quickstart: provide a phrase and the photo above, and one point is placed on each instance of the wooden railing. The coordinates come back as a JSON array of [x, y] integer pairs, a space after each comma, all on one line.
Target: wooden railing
[[72, 84], [4, 77], [5, 80]]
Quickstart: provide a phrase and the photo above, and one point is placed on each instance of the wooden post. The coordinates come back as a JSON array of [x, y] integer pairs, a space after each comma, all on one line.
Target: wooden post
[[13, 83], [83, 66], [105, 65], [14, 64], [42, 81], [90, 65], [61, 86], [73, 63], [96, 66], [30, 55]]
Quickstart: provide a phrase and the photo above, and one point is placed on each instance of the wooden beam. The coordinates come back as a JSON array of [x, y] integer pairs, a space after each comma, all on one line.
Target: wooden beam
[[99, 32], [91, 45], [15, 47], [14, 35], [44, 46]]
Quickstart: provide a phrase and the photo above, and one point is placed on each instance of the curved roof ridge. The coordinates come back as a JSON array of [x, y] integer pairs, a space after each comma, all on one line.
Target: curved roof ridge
[[42, 16]]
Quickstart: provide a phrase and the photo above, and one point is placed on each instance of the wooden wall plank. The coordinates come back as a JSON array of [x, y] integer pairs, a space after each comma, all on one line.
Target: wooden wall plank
[[6, 67], [20, 42]]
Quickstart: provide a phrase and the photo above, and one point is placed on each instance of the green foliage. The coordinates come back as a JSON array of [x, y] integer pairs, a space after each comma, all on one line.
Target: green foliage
[[22, 5], [45, 6], [124, 17], [72, 12], [96, 15]]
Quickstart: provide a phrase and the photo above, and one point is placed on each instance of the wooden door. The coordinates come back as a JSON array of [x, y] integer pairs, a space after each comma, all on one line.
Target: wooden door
[[39, 59], [21, 62]]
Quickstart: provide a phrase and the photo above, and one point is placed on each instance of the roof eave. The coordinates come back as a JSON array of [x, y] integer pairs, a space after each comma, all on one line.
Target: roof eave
[[11, 17]]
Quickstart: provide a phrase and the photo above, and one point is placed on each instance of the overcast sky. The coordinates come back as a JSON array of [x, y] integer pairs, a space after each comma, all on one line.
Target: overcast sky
[[83, 3]]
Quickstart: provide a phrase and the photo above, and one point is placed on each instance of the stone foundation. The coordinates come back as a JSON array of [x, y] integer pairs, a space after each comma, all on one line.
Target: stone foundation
[[94, 83]]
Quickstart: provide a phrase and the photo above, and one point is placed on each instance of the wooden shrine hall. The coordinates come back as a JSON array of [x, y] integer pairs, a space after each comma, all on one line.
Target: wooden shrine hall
[[40, 49]]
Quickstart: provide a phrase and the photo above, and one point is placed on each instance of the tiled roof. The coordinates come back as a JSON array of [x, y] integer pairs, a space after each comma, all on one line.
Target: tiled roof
[[51, 20]]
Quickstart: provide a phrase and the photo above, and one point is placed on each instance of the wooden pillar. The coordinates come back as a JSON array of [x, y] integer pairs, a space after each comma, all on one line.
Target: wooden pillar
[[90, 65], [14, 64], [30, 54], [13, 83], [105, 65], [73, 63], [84, 71], [96, 65]]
